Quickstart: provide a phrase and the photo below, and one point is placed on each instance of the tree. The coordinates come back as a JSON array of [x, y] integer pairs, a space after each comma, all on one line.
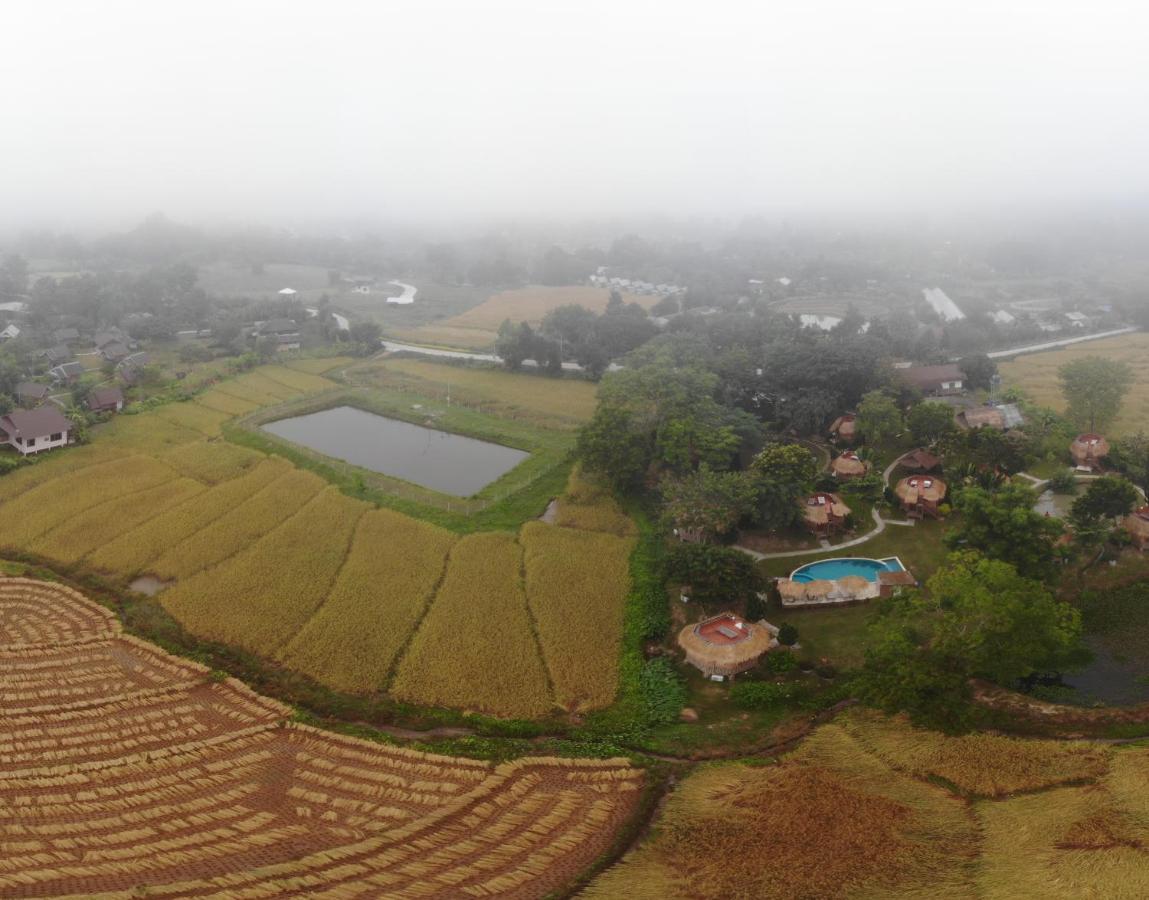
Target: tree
[[977, 618], [705, 504], [717, 576], [782, 474], [879, 418], [1003, 526], [1108, 497], [365, 335], [1130, 455], [929, 422], [615, 446], [978, 370], [572, 324], [1094, 388], [514, 344]]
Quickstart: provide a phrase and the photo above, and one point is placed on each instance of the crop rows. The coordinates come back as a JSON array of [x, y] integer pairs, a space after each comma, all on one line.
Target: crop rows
[[375, 603], [212, 463], [262, 595], [38, 612], [225, 403], [155, 782], [302, 382], [475, 648], [193, 416], [576, 585]]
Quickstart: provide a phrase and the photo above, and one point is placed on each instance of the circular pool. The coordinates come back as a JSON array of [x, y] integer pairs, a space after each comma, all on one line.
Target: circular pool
[[835, 569]]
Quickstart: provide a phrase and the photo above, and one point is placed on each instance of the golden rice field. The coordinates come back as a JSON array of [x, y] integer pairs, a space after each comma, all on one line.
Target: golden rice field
[[321, 365], [552, 403], [870, 807], [477, 327], [126, 772], [271, 558], [1036, 374]]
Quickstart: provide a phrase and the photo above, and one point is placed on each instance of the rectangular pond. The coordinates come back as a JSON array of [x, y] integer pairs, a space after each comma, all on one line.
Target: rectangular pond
[[445, 462]]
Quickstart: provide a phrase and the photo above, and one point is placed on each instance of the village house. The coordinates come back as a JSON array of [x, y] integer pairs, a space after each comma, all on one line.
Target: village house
[[68, 373], [114, 351], [66, 336], [844, 428], [29, 393], [1088, 451], [35, 430], [284, 331], [825, 513], [921, 496], [55, 356], [106, 399], [1136, 525], [10, 332], [726, 644], [849, 465], [934, 380], [981, 417], [130, 367]]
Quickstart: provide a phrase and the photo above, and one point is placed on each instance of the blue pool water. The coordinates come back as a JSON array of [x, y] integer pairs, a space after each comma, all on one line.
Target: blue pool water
[[833, 569]]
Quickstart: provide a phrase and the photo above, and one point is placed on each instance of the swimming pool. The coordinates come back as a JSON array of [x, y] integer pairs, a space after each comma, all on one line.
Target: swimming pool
[[834, 569]]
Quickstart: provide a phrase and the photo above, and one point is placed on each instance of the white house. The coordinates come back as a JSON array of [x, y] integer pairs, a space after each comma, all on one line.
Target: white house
[[9, 332], [35, 430]]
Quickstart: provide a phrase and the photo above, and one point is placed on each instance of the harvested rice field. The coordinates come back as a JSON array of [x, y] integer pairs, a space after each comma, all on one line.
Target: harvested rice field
[[128, 772], [1036, 374], [868, 806]]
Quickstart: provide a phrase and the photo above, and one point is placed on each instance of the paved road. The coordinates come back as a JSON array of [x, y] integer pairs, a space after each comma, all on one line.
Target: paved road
[[390, 346], [1053, 345]]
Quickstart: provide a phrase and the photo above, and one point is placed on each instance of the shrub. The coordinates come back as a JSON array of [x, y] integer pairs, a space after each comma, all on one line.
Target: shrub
[[761, 694], [663, 691], [787, 635], [780, 662], [1063, 482]]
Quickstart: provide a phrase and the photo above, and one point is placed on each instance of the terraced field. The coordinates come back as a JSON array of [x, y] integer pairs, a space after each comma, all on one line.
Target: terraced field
[[273, 559], [126, 772]]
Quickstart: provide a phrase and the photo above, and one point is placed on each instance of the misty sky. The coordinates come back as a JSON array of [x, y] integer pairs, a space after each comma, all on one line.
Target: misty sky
[[427, 110]]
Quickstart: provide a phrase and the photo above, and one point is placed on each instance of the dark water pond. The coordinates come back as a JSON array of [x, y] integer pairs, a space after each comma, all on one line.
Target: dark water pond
[[444, 462]]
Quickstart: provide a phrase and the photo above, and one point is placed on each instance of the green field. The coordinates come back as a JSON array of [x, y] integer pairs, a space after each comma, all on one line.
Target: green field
[[275, 552]]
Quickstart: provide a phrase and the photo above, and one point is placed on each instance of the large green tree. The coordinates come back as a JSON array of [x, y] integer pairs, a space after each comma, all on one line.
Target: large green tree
[[1003, 525], [718, 577], [1094, 388], [1108, 497], [1130, 454], [977, 618], [879, 418], [703, 505], [782, 474], [929, 422]]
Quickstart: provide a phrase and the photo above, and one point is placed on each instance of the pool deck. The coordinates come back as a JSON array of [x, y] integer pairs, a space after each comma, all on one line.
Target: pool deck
[[833, 592]]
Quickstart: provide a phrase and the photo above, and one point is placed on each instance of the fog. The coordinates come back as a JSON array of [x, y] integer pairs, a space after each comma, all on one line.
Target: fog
[[429, 111]]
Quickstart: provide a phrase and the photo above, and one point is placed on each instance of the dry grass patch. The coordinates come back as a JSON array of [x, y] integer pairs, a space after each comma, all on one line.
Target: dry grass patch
[[43, 507], [818, 825], [260, 597], [1036, 374], [589, 506], [382, 590], [134, 550], [240, 526], [93, 528], [212, 462], [556, 402], [576, 586], [475, 649], [983, 764]]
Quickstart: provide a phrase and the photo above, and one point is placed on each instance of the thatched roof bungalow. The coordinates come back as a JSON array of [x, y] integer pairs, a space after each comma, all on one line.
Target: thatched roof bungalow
[[726, 644], [982, 417], [844, 428], [921, 495], [920, 460], [825, 513], [1136, 525], [849, 465], [1088, 450]]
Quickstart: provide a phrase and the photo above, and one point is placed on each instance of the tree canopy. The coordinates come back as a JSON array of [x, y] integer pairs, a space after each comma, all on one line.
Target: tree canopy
[[931, 421], [782, 474], [703, 505], [1094, 388], [879, 418], [1003, 525]]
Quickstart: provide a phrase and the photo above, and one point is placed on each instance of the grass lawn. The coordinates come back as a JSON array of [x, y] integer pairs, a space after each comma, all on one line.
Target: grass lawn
[[1036, 374], [838, 635]]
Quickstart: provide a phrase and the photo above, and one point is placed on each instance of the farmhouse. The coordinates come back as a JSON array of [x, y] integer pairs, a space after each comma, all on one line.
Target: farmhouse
[[106, 399], [114, 351], [825, 513], [937, 380], [68, 373], [849, 465], [1088, 450], [1136, 525], [726, 644], [284, 331], [10, 331], [56, 355], [35, 430], [921, 495], [29, 393], [844, 428]]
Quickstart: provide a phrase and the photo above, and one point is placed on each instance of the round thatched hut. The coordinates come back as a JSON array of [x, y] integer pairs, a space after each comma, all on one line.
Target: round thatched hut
[[1088, 450], [825, 513], [849, 465], [726, 644], [1136, 525], [844, 428], [921, 495]]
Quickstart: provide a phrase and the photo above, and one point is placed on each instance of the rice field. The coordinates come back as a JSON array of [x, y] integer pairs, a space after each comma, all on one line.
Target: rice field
[[321, 365], [128, 772], [477, 327], [1036, 374], [590, 506], [212, 463], [192, 415], [556, 403]]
